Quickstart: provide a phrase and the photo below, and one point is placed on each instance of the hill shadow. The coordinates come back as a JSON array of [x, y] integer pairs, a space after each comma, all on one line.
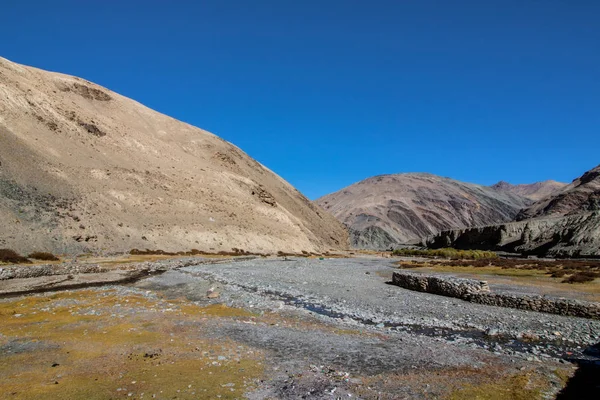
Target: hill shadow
[[585, 384]]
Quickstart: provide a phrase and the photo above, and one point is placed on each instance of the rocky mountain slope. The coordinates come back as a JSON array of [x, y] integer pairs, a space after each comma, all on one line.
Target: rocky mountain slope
[[566, 224], [583, 194], [576, 235], [386, 210], [533, 191], [84, 169]]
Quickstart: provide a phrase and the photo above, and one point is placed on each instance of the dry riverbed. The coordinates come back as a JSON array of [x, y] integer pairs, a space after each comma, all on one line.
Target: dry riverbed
[[270, 328]]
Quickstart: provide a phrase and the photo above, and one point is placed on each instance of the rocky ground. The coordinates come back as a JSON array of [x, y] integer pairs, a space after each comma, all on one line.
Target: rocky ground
[[289, 329]]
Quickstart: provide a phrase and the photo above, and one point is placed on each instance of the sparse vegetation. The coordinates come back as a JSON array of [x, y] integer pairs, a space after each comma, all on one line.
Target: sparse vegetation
[[582, 277], [135, 346], [240, 251], [573, 271], [148, 252], [284, 254], [449, 253], [523, 386], [12, 257], [196, 252], [44, 256], [193, 252]]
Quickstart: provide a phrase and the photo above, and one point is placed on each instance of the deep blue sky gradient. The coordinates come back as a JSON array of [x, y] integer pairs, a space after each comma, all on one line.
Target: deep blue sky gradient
[[329, 92]]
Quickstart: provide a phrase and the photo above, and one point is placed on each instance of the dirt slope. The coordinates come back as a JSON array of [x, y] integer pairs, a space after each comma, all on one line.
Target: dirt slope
[[389, 209], [533, 191], [83, 169]]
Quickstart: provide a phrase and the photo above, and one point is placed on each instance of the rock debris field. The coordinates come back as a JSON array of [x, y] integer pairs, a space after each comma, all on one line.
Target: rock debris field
[[285, 329]]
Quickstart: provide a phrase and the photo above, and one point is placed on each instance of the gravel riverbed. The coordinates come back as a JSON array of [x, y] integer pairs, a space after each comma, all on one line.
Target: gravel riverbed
[[400, 331], [288, 329], [354, 291]]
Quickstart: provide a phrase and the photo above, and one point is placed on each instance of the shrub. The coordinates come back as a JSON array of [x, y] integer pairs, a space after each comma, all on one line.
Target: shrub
[[582, 277], [40, 255], [410, 265], [195, 252], [285, 254], [11, 256], [450, 253], [573, 271], [149, 252], [239, 251], [558, 273]]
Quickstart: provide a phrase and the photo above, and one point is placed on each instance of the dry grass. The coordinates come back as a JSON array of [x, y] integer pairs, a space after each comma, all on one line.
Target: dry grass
[[538, 280], [525, 386], [490, 383], [573, 271], [195, 252], [490, 270], [582, 277]]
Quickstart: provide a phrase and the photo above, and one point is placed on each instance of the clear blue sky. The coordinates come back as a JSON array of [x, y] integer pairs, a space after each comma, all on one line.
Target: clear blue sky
[[329, 92]]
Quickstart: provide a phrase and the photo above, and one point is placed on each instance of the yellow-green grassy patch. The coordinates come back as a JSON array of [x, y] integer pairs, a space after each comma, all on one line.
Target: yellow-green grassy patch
[[525, 386], [100, 341]]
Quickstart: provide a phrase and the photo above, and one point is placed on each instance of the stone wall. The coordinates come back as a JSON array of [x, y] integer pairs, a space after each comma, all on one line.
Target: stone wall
[[438, 284], [479, 292]]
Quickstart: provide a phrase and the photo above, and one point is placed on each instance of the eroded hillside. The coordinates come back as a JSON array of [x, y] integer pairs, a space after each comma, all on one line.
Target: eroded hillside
[[84, 169], [389, 209]]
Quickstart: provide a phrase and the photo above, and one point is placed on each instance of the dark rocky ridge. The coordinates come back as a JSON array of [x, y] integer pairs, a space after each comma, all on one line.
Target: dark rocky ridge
[[566, 224], [388, 210], [582, 195]]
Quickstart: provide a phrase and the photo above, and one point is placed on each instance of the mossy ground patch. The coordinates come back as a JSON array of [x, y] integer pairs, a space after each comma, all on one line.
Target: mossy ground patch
[[98, 344]]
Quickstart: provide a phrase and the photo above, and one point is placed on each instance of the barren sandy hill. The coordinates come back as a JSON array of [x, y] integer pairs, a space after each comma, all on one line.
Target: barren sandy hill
[[533, 191], [389, 209], [84, 169]]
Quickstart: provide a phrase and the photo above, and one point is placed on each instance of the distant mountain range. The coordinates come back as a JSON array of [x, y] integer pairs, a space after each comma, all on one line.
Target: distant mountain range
[[388, 210]]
